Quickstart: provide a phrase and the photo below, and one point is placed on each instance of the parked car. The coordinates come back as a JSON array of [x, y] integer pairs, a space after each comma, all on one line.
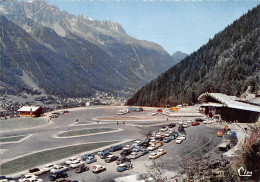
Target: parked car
[[161, 152], [153, 156], [181, 129], [98, 168], [115, 148], [25, 178], [185, 125], [122, 160], [71, 160], [178, 140], [58, 175], [76, 164], [199, 119], [171, 125], [166, 139], [234, 135], [82, 168], [91, 160], [195, 123], [158, 135], [152, 147], [59, 169], [182, 137], [84, 157], [127, 147], [48, 167], [123, 167], [104, 154], [219, 133], [144, 151], [111, 158], [157, 143], [135, 155], [136, 149], [126, 152], [167, 134], [164, 128], [102, 151], [176, 134], [7, 179], [36, 171], [172, 137]]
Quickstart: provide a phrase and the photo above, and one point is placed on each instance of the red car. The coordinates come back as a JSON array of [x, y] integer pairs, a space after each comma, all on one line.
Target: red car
[[163, 136], [225, 127], [195, 123]]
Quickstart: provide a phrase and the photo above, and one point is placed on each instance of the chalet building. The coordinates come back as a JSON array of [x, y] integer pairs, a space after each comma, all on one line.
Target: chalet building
[[31, 111], [230, 108]]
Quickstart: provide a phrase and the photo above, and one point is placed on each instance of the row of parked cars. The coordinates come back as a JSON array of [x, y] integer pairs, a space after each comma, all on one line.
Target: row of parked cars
[[129, 152]]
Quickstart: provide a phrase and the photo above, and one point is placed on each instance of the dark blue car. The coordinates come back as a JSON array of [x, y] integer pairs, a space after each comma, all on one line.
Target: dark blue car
[[58, 175], [234, 135], [115, 148], [166, 139]]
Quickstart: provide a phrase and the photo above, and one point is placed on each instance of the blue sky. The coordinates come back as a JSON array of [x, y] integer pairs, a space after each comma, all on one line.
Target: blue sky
[[177, 25]]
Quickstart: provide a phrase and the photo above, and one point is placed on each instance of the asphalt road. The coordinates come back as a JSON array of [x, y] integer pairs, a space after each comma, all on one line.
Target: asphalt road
[[200, 140]]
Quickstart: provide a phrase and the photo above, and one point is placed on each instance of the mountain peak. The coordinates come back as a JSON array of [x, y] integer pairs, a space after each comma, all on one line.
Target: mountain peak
[[179, 56]]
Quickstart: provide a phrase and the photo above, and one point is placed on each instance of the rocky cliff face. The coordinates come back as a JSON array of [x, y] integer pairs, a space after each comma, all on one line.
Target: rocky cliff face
[[93, 55]]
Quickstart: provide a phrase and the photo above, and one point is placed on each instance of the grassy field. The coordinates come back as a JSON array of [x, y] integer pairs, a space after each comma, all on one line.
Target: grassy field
[[44, 157], [85, 132], [12, 138]]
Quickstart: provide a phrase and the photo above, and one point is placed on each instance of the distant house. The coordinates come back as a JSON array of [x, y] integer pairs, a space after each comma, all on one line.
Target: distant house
[[30, 111], [230, 108]]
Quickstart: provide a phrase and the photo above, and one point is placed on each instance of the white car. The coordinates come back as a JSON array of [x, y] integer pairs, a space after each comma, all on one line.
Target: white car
[[190, 121], [59, 169], [76, 164], [48, 167], [152, 147], [98, 168], [71, 160], [34, 180], [168, 134], [171, 130], [158, 134], [178, 140], [27, 178], [183, 137], [185, 125], [229, 132], [164, 129], [128, 147]]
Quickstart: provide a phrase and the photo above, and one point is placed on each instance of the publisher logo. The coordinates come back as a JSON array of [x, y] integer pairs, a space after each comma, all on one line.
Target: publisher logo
[[243, 172]]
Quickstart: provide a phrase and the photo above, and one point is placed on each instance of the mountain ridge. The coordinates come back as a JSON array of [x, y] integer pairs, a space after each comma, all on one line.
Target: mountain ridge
[[98, 54], [228, 63]]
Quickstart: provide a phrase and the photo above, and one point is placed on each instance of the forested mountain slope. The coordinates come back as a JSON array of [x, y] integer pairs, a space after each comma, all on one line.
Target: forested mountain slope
[[226, 64]]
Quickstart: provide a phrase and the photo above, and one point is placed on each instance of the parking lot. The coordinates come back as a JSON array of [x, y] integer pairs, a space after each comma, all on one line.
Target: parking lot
[[200, 140]]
